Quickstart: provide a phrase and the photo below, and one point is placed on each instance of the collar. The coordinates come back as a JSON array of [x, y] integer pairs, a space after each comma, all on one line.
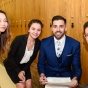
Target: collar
[[62, 40]]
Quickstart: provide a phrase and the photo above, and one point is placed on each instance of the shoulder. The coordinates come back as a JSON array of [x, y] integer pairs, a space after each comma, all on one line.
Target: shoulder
[[21, 36], [38, 41], [47, 39], [72, 39], [18, 39]]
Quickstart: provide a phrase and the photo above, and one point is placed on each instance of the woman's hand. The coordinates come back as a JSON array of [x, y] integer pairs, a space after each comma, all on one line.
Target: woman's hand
[[21, 76]]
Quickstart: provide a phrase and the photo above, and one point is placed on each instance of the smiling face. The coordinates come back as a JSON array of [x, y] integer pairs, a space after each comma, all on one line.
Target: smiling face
[[35, 30], [58, 28], [3, 22]]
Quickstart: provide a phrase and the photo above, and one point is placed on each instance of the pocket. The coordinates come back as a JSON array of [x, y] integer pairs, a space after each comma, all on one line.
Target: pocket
[[69, 55]]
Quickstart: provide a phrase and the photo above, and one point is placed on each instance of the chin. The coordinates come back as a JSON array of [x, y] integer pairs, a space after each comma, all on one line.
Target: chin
[[58, 37], [35, 37], [2, 31]]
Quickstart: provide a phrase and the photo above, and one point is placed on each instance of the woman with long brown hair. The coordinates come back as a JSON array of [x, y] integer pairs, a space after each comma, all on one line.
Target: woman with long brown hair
[[5, 81], [4, 33]]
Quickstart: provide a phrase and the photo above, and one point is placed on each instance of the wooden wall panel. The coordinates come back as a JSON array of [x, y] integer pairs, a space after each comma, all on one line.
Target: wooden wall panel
[[20, 12], [22, 15], [12, 18], [17, 15], [28, 12], [52, 8], [84, 46]]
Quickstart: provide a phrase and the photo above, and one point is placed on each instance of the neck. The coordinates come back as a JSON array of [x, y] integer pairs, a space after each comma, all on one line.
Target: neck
[[30, 39]]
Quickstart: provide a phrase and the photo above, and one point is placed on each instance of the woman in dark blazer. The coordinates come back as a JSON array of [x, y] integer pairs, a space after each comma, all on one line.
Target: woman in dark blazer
[[24, 49]]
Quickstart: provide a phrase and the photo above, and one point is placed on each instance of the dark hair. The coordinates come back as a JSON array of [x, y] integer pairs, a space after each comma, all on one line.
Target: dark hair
[[35, 21], [85, 26], [58, 17], [1, 11], [4, 38]]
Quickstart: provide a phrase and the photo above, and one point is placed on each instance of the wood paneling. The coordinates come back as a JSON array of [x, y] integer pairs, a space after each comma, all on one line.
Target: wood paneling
[[20, 12]]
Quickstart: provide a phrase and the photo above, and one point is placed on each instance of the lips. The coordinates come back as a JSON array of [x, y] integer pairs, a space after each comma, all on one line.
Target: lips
[[35, 35], [58, 33], [3, 27]]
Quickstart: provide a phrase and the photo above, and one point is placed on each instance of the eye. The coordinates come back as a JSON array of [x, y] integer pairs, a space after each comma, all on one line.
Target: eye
[[86, 35], [61, 26], [38, 29], [33, 28], [5, 21], [54, 26]]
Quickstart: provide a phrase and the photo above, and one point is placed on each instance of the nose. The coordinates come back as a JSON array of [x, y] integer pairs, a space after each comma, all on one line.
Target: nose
[[58, 28], [36, 31]]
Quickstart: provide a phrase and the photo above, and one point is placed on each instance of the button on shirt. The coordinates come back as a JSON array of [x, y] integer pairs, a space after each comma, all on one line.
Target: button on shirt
[[59, 45]]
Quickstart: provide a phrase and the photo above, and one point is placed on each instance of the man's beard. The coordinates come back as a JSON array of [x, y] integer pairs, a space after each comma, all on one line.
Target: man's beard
[[58, 36]]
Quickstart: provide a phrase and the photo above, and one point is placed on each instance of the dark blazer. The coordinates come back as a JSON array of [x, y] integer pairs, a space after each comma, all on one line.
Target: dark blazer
[[48, 62], [17, 51]]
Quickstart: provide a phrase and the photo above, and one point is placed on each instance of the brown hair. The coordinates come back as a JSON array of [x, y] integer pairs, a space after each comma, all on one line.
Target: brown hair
[[85, 26], [35, 21], [57, 17], [4, 38]]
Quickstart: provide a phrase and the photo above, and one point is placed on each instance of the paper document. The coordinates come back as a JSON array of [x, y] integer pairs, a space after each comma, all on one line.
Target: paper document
[[58, 82]]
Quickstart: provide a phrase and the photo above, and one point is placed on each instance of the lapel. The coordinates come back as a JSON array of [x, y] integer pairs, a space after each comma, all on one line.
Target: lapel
[[51, 49], [23, 45], [35, 47], [66, 49]]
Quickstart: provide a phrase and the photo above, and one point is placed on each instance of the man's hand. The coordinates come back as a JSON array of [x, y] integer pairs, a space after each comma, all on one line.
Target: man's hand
[[74, 83], [42, 79]]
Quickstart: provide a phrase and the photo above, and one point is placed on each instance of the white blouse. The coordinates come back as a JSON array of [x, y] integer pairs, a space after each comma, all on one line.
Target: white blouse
[[27, 55]]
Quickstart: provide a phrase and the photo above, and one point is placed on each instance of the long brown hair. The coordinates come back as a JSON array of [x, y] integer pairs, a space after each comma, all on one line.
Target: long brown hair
[[4, 38]]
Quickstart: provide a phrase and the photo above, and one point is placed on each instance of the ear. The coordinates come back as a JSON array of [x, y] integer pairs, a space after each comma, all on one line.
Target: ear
[[51, 28], [50, 25], [65, 28]]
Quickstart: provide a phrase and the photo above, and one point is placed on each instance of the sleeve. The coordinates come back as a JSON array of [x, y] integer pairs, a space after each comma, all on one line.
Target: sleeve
[[12, 53], [41, 59], [76, 64]]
